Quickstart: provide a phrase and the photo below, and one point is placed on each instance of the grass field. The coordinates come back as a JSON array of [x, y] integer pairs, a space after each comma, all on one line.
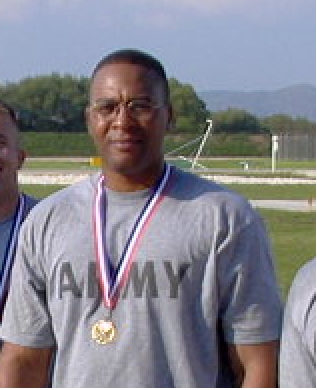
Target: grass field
[[256, 163], [212, 163], [272, 191], [293, 237], [58, 164], [250, 191], [293, 234], [40, 191], [42, 143]]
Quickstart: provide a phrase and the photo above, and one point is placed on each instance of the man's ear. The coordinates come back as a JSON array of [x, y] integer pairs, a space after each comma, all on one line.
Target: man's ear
[[171, 118], [21, 157]]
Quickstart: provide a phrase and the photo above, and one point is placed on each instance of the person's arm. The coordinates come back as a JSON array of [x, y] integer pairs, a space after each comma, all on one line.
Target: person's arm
[[24, 366], [254, 365]]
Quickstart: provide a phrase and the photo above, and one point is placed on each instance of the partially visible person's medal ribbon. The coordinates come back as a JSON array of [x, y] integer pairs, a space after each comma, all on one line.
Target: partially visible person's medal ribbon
[[111, 279], [7, 263]]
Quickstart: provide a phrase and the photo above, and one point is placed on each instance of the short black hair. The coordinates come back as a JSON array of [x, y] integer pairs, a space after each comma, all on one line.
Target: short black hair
[[135, 57], [10, 111]]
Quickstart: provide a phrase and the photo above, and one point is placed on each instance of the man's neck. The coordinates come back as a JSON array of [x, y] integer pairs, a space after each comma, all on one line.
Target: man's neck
[[8, 204], [130, 183]]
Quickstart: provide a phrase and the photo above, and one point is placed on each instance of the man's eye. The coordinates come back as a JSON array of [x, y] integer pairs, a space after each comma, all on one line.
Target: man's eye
[[107, 106], [140, 105]]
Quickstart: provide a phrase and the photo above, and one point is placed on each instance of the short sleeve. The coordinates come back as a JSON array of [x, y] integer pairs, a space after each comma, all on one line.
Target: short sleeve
[[250, 304], [26, 320]]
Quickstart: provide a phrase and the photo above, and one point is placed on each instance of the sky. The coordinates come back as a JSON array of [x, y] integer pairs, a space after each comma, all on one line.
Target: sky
[[247, 45]]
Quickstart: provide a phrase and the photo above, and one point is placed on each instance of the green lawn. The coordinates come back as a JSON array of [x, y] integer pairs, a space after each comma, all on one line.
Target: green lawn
[[212, 163], [250, 191], [40, 191], [293, 237], [272, 191], [293, 234], [58, 164], [256, 163]]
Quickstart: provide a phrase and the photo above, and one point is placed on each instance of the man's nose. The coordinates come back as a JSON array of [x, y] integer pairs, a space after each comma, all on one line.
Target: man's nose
[[122, 115]]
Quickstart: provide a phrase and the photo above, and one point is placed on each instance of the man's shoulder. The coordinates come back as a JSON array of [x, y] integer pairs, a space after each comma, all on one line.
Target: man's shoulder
[[60, 200], [205, 189], [30, 201], [305, 278], [302, 292]]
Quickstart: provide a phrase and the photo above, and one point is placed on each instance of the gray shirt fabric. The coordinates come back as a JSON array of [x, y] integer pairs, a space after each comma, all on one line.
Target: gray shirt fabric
[[203, 275], [298, 344]]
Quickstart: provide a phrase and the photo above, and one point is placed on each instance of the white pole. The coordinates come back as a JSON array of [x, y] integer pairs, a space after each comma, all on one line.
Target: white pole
[[274, 151], [184, 146], [202, 144]]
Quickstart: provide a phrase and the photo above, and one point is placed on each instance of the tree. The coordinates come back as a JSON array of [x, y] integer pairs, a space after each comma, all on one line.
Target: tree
[[49, 103], [56, 103], [236, 121], [285, 124], [190, 111]]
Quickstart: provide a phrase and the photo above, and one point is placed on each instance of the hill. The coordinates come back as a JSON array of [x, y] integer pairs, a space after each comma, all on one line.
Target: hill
[[295, 101]]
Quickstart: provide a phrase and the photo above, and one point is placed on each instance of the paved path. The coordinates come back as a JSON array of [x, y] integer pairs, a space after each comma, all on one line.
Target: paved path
[[290, 205], [67, 177]]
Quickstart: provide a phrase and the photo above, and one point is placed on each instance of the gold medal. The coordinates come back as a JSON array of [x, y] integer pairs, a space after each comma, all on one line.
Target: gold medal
[[104, 332]]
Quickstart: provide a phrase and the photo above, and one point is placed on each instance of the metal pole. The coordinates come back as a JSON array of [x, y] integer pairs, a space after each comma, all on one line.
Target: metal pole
[[202, 144]]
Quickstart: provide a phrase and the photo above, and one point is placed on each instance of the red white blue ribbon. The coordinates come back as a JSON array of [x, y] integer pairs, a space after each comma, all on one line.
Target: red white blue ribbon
[[9, 252], [111, 279]]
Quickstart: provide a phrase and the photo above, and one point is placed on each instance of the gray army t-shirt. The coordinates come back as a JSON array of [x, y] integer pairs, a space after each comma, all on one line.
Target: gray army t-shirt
[[203, 268], [298, 344]]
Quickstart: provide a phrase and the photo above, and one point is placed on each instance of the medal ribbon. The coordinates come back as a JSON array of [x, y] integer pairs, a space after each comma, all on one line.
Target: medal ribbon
[[9, 253], [113, 279]]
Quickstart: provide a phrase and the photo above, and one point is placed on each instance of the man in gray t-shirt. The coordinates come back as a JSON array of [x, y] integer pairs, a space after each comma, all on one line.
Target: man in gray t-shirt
[[298, 343], [14, 206], [141, 275]]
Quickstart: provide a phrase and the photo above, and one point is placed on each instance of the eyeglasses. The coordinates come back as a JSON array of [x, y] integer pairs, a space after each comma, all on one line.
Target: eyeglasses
[[138, 108]]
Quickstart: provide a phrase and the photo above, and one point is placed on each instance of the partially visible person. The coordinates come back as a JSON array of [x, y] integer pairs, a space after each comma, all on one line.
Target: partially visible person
[[14, 206], [298, 344]]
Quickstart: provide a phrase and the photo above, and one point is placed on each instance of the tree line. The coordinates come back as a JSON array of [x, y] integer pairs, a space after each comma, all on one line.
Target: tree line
[[57, 102]]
